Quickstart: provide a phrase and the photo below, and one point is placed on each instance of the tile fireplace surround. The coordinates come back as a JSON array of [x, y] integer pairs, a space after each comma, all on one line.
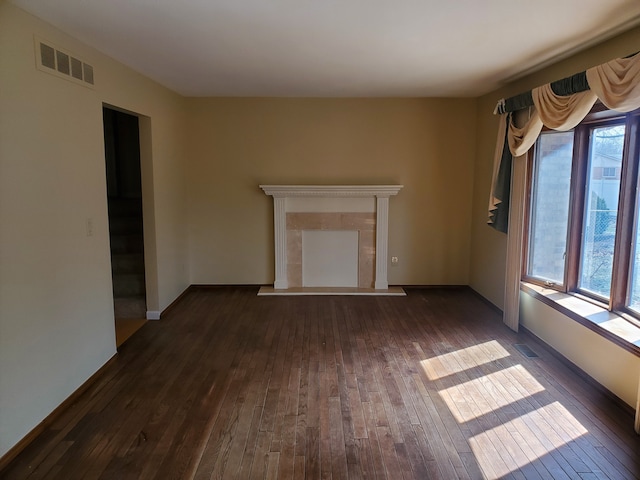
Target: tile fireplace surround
[[331, 239]]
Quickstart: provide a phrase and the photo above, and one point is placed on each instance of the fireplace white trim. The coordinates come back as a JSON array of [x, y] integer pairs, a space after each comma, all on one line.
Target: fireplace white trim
[[331, 190], [282, 206], [382, 240]]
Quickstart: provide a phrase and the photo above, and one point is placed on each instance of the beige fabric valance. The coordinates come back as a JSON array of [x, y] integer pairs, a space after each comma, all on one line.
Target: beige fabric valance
[[615, 83], [562, 112], [553, 111], [522, 138]]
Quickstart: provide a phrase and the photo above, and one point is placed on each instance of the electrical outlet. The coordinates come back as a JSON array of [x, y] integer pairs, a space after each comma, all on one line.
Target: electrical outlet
[[89, 227], [394, 261]]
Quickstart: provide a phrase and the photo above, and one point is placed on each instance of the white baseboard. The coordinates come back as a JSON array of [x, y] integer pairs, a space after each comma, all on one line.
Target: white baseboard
[[153, 315]]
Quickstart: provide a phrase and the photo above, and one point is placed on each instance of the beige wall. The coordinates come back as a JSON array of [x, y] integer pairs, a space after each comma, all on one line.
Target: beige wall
[[237, 144], [615, 368], [612, 366], [56, 313]]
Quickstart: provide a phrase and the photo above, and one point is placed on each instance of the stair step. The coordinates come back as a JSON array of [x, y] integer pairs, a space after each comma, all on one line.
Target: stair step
[[128, 285], [132, 243], [125, 207], [127, 263], [130, 307], [125, 225]]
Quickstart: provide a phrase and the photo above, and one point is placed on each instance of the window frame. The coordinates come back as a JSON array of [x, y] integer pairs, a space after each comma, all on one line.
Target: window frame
[[583, 132], [622, 268]]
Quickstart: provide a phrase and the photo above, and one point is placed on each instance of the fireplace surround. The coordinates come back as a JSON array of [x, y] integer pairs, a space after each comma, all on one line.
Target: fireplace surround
[[310, 220]]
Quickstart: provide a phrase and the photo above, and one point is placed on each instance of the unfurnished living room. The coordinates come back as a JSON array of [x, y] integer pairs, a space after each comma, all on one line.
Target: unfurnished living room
[[322, 240]]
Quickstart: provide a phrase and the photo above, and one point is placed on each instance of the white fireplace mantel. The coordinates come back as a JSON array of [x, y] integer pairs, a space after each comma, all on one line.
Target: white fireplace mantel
[[379, 193], [279, 191]]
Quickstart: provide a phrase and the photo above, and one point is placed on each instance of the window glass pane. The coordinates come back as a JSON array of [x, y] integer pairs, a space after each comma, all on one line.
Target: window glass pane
[[603, 187], [550, 206], [634, 287], [634, 273]]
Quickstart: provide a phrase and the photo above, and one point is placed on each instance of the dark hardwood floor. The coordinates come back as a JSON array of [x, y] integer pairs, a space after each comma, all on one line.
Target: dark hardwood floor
[[231, 385]]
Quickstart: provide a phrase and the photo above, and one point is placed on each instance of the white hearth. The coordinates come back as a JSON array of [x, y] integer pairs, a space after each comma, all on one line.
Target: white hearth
[[331, 239]]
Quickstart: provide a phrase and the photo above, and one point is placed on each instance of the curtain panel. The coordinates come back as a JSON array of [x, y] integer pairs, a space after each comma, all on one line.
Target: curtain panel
[[616, 84]]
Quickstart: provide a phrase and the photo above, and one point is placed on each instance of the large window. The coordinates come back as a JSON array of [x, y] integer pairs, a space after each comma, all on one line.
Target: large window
[[583, 214]]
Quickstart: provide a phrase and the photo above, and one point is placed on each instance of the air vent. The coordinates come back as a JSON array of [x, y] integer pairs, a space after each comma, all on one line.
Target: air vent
[[525, 350], [63, 64], [47, 56], [62, 60], [76, 68], [88, 73]]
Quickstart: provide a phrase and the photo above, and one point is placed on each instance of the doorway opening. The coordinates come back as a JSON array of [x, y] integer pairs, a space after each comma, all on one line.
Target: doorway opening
[[126, 235]]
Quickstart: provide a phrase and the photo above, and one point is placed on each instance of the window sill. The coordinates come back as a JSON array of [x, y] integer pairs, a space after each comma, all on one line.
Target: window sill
[[601, 321]]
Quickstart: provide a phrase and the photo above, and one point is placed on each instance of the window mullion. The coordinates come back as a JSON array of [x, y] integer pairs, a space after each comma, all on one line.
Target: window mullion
[[577, 195]]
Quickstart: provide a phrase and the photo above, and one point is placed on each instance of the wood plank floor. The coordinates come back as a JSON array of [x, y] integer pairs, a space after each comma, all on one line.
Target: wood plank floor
[[232, 385], [126, 327]]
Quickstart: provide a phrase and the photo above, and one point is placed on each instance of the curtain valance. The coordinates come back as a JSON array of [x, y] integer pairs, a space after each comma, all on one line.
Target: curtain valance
[[615, 83]]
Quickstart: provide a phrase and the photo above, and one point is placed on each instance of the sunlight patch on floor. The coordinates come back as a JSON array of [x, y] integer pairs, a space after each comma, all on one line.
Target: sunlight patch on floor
[[463, 359], [511, 420], [480, 396], [551, 427]]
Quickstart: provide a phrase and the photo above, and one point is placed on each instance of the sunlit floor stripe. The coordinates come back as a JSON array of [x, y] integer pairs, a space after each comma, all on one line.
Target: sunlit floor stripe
[[458, 396], [531, 450], [463, 359]]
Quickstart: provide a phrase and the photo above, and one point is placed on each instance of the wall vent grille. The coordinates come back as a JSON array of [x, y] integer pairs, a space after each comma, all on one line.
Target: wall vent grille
[[526, 350], [62, 63]]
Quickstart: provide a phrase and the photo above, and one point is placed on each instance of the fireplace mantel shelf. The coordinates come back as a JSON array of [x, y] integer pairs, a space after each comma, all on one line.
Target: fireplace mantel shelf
[[331, 190]]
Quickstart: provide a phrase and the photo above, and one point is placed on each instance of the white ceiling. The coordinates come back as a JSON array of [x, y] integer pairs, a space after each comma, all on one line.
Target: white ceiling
[[337, 48]]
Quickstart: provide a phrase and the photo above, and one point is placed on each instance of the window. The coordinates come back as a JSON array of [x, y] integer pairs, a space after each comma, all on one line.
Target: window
[[550, 207], [600, 211], [583, 231]]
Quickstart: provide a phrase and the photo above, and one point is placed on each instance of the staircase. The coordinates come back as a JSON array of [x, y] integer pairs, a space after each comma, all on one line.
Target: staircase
[[127, 257]]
